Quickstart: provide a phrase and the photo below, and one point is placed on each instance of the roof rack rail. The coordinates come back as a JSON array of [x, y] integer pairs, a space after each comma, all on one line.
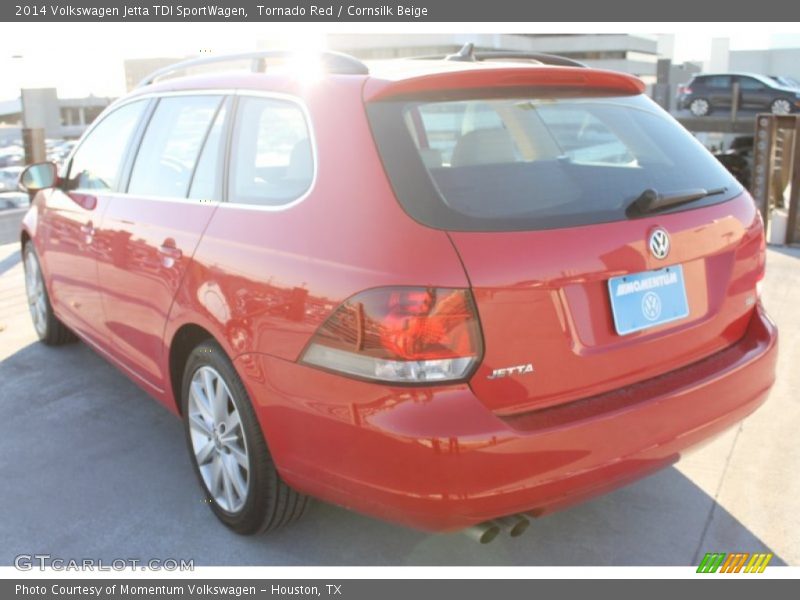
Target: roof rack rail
[[333, 62], [467, 53]]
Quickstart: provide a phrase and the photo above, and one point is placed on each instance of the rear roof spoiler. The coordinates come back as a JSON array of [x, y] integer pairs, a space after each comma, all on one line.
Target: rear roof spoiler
[[376, 89]]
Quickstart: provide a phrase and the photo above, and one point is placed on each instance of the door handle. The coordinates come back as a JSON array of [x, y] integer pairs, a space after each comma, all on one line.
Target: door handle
[[169, 253], [88, 231]]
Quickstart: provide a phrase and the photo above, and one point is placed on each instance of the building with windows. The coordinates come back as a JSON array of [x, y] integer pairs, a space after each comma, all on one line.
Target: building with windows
[[59, 117]]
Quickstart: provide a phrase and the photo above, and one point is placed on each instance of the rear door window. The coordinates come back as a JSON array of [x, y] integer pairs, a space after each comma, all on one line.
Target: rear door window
[[749, 84], [168, 152], [206, 181], [718, 82], [533, 163], [272, 161]]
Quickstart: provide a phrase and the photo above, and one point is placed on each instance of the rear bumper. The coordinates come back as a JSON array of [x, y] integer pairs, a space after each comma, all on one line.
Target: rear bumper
[[437, 459]]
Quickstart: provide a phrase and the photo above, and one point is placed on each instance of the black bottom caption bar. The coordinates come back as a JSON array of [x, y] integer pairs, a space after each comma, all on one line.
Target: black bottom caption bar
[[381, 589]]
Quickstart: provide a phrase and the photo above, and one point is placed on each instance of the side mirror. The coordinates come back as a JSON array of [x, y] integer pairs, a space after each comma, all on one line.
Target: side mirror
[[38, 176]]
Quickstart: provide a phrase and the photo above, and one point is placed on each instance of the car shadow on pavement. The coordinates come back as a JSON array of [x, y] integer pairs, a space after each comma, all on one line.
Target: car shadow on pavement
[[793, 251], [100, 470], [10, 261]]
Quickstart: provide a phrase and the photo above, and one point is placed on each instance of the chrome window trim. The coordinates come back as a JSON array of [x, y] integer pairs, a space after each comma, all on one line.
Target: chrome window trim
[[162, 198], [120, 102], [215, 92]]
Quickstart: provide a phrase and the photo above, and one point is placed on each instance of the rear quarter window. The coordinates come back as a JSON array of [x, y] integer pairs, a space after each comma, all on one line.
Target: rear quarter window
[[272, 162]]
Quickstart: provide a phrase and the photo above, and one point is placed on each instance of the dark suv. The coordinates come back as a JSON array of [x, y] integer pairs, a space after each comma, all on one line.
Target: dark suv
[[705, 93]]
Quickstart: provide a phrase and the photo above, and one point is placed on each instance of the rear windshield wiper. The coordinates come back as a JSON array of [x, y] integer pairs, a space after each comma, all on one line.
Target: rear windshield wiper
[[650, 200]]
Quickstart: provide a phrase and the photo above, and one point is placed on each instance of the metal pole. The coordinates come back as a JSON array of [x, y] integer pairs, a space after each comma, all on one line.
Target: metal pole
[[792, 222], [33, 142], [735, 100]]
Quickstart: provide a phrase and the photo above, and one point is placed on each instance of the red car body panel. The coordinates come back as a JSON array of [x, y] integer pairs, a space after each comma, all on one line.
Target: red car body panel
[[324, 265], [64, 237], [146, 247], [437, 459], [523, 294], [600, 410]]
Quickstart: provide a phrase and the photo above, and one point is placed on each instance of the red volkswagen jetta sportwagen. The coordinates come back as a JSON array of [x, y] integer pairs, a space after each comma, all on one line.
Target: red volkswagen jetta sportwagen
[[449, 292]]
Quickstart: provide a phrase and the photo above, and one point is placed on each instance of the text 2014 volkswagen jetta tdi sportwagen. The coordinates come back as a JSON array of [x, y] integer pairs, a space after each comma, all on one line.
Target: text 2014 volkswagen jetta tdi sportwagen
[[440, 292]]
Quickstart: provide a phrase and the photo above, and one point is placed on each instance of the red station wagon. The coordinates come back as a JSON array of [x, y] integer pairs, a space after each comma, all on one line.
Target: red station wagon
[[452, 292]]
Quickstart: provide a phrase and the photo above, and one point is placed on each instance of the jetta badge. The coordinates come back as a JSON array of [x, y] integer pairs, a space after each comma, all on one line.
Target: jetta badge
[[517, 370], [659, 243]]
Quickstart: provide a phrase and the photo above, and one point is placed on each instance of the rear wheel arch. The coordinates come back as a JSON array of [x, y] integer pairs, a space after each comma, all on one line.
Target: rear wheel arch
[[269, 502], [186, 339]]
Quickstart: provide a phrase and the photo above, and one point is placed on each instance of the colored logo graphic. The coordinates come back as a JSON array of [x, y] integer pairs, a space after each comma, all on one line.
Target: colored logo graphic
[[741, 562]]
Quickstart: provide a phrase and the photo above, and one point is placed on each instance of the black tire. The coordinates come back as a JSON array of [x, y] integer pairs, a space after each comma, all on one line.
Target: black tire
[[700, 107], [269, 502], [50, 330]]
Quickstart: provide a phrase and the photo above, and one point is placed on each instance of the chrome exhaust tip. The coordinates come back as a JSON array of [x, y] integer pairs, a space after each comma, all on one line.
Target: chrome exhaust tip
[[483, 533], [515, 525]]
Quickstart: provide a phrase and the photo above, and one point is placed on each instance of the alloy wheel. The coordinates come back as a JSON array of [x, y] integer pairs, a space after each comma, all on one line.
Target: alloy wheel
[[699, 107], [218, 441], [781, 106], [34, 288]]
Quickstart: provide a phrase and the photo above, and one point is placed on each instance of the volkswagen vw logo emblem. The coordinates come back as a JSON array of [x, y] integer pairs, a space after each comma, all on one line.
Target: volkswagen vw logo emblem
[[651, 306], [659, 243]]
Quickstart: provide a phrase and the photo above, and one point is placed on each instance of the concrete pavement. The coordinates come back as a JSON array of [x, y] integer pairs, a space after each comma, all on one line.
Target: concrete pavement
[[92, 467]]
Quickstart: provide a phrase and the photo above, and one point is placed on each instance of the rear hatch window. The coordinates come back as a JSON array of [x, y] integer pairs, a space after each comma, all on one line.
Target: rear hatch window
[[528, 161]]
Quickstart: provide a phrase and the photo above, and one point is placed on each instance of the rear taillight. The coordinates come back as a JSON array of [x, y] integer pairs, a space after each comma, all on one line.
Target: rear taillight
[[400, 335]]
